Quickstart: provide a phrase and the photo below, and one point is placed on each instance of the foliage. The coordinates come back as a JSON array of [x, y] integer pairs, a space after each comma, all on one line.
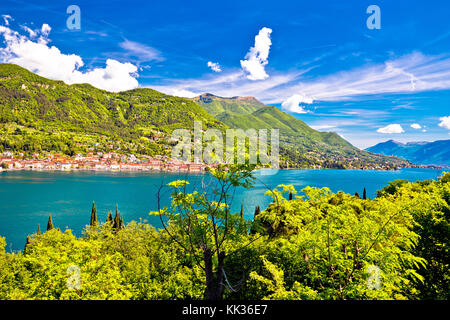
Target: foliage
[[319, 245]]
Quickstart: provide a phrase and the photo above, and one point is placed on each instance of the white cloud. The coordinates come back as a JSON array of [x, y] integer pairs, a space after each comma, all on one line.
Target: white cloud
[[45, 30], [49, 62], [32, 33], [141, 51], [214, 66], [445, 122], [256, 58], [323, 127], [182, 93], [292, 104], [6, 18], [416, 126], [392, 128], [430, 72]]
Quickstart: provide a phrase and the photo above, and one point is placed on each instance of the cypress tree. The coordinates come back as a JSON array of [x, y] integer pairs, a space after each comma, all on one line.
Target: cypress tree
[[39, 229], [116, 224], [93, 215], [257, 211], [253, 227], [26, 244], [365, 194], [291, 196], [121, 226], [242, 211], [109, 217], [50, 223]]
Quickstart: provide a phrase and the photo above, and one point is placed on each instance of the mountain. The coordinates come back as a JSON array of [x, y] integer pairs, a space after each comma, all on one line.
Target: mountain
[[42, 115], [38, 114], [422, 152], [300, 145], [215, 105]]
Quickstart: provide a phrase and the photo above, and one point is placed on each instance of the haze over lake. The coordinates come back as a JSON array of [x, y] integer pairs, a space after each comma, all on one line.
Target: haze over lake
[[27, 198]]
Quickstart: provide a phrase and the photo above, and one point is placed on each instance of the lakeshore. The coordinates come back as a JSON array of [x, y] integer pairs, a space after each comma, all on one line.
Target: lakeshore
[[118, 163], [99, 162]]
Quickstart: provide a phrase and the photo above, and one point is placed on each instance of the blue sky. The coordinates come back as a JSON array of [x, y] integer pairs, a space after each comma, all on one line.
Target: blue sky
[[317, 60]]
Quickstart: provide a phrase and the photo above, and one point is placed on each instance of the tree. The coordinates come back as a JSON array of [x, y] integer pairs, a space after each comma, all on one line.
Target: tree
[[50, 223], [202, 225], [290, 196], [28, 242], [118, 221], [257, 211], [365, 194], [109, 218], [357, 195], [39, 229], [94, 221]]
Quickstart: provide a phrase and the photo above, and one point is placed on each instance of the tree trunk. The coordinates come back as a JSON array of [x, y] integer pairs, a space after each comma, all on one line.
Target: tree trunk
[[214, 282]]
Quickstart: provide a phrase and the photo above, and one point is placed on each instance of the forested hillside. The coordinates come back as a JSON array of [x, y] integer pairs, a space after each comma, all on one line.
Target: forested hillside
[[41, 115], [37, 114], [300, 145]]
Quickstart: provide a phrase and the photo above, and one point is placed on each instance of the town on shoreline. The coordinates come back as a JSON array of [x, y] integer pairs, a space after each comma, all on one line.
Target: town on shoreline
[[97, 162], [116, 162]]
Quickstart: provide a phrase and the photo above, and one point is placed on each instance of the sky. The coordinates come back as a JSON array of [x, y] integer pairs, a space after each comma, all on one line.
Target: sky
[[337, 65]]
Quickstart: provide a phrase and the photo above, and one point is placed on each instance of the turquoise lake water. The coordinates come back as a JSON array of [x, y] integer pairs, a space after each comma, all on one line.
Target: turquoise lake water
[[28, 197]]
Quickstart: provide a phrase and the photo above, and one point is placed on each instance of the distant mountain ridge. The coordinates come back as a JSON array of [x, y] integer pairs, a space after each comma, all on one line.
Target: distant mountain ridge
[[299, 143], [421, 152]]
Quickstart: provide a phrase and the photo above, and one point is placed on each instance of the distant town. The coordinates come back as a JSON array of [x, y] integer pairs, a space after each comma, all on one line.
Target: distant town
[[97, 162]]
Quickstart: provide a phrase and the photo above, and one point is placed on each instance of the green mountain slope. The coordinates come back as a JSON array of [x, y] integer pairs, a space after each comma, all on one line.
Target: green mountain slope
[[215, 105], [300, 145], [41, 114]]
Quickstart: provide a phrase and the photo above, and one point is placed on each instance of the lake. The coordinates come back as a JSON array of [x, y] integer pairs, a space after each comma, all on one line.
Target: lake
[[28, 197]]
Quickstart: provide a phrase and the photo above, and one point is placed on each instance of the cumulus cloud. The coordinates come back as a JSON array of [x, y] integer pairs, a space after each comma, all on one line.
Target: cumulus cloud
[[416, 126], [392, 128], [214, 66], [293, 103], [445, 122], [50, 62], [256, 58], [182, 93]]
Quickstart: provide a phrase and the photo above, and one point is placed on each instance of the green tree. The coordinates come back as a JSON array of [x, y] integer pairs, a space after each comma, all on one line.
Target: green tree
[[50, 223], [93, 221], [109, 218], [203, 226]]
